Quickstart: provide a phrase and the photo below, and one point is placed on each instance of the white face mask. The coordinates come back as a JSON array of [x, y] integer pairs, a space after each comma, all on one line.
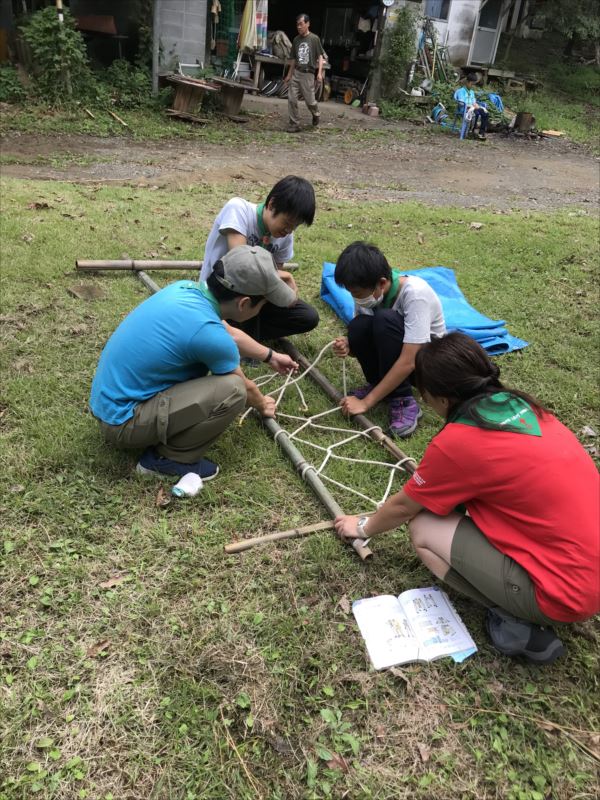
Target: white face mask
[[369, 302]]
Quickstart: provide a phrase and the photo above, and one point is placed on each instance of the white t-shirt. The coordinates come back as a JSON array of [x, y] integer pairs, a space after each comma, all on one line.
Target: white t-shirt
[[421, 308], [239, 215]]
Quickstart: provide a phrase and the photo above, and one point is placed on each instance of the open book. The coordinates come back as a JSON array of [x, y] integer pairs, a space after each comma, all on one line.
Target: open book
[[419, 625]]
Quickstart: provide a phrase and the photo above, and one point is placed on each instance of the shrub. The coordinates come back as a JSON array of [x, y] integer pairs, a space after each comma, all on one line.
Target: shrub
[[399, 48], [11, 89], [59, 55], [127, 85]]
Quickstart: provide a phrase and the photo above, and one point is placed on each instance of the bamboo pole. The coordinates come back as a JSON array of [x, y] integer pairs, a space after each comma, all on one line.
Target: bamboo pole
[[376, 434], [131, 264], [293, 533], [148, 282], [309, 476]]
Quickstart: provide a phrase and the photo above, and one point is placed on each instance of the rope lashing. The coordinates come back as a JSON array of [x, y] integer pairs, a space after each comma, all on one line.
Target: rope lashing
[[328, 451]]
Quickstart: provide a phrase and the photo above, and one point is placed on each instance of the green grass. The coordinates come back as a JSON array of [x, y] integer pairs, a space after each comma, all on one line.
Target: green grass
[[231, 677], [568, 99]]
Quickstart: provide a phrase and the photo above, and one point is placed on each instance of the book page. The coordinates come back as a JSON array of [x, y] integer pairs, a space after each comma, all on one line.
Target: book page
[[386, 631], [436, 624]]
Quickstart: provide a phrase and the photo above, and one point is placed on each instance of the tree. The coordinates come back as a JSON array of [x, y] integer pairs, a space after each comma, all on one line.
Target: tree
[[577, 19]]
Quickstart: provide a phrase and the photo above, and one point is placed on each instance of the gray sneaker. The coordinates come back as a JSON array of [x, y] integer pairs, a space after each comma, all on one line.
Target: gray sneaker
[[517, 637]]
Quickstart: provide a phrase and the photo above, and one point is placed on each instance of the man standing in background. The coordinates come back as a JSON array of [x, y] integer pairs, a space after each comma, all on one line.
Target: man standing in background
[[307, 57]]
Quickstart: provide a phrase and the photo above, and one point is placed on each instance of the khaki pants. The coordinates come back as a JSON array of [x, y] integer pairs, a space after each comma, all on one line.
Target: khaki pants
[[302, 86], [489, 577], [183, 421]]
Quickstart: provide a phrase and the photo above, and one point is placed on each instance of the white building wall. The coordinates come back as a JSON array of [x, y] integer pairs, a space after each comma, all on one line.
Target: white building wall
[[457, 32], [182, 25]]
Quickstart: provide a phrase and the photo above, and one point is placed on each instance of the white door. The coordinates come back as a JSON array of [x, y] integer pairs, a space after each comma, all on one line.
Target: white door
[[487, 32]]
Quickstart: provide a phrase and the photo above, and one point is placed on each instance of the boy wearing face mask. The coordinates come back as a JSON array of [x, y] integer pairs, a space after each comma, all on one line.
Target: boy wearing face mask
[[395, 315]]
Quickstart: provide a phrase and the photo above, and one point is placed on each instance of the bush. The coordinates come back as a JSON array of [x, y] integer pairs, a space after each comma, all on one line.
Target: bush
[[127, 86], [59, 56], [399, 48], [11, 89]]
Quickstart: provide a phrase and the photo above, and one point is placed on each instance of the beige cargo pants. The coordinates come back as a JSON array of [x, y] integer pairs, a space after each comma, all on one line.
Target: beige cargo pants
[[183, 421], [302, 86]]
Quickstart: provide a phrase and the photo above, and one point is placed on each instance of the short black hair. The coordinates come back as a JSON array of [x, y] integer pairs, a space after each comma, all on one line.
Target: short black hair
[[294, 196], [222, 293], [472, 78], [303, 17], [360, 266]]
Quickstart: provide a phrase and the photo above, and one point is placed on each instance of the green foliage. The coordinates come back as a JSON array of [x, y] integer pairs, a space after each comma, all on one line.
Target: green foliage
[[61, 67], [391, 110], [576, 18], [142, 12], [398, 52], [579, 81], [127, 85], [11, 89]]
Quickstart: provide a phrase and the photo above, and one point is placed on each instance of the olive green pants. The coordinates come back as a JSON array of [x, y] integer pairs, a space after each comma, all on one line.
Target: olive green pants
[[183, 421], [489, 577], [302, 85]]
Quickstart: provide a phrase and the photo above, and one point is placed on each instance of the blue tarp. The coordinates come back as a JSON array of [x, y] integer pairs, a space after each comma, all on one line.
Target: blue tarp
[[458, 313]]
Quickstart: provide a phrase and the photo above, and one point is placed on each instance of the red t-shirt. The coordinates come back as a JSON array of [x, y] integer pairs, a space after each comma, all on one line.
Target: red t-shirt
[[536, 498]]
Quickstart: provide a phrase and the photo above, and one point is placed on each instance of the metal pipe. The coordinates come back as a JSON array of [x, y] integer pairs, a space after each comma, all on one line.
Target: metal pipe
[[376, 434], [131, 264]]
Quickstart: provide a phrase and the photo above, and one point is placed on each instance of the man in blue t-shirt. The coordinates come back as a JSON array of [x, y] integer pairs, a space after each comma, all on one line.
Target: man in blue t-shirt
[[169, 377]]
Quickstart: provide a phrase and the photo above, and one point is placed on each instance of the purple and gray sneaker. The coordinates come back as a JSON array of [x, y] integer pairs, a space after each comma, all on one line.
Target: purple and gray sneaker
[[362, 391], [404, 415]]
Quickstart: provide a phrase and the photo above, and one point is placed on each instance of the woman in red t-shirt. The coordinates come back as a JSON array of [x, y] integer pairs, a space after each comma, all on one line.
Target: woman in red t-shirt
[[528, 547]]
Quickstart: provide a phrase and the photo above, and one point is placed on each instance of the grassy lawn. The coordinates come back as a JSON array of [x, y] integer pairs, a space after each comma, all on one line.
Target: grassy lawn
[[198, 676]]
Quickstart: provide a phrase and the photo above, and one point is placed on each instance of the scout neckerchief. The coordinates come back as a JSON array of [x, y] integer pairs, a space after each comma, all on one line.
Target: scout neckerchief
[[206, 292], [265, 236], [391, 294], [505, 412]]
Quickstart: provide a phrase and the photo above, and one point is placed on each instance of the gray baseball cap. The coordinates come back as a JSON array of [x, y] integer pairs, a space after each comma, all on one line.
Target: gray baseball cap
[[252, 271]]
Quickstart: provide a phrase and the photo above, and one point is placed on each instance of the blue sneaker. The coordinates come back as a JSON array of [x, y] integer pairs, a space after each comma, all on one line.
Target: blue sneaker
[[152, 464]]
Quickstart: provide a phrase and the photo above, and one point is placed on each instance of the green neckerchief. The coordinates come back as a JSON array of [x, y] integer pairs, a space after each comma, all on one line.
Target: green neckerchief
[[506, 412], [262, 230], [392, 292], [206, 292]]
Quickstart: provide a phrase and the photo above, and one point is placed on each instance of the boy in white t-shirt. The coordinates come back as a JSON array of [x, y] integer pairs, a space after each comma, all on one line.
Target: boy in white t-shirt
[[290, 203], [395, 315]]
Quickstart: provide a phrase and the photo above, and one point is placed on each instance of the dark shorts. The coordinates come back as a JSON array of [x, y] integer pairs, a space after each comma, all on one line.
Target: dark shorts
[[498, 578]]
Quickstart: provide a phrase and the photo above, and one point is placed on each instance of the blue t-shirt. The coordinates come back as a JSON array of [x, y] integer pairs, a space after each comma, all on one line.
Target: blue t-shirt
[[174, 336], [464, 95]]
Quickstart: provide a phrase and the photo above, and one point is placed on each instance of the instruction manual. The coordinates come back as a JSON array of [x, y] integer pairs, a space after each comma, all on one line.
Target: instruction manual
[[419, 625]]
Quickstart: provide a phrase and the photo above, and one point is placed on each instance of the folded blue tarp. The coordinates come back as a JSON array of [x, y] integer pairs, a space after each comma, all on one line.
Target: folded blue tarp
[[458, 313]]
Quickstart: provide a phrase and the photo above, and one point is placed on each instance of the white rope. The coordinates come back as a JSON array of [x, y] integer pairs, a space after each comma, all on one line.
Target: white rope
[[310, 422]]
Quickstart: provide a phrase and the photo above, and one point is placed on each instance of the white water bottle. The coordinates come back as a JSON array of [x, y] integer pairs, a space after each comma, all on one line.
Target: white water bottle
[[188, 486]]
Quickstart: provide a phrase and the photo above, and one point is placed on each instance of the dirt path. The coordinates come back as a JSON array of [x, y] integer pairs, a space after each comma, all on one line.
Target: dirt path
[[350, 155]]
